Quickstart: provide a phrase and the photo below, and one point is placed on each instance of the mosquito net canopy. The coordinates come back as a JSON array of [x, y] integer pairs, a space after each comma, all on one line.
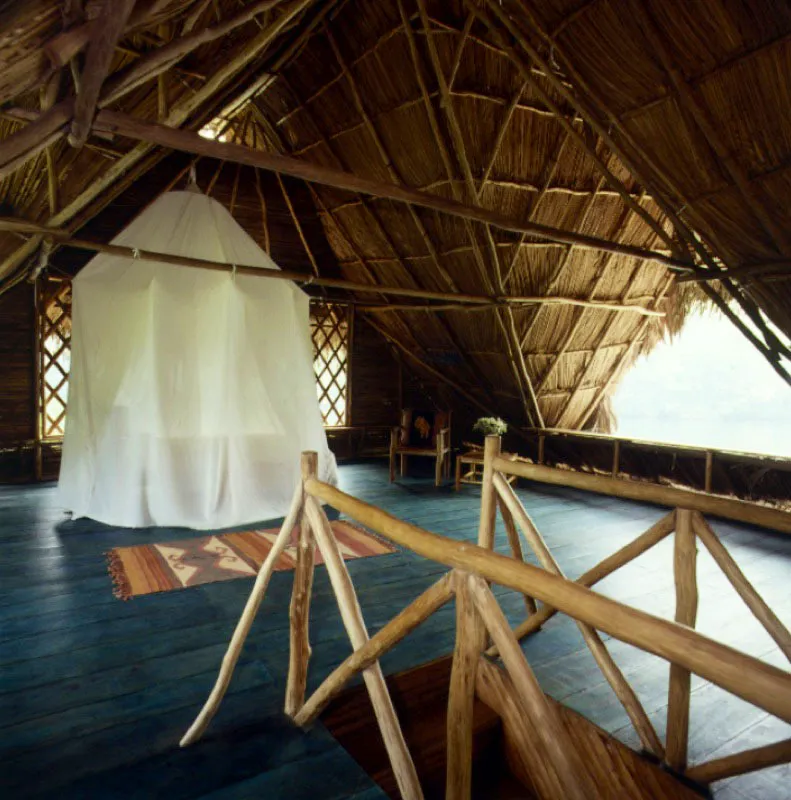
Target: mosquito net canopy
[[192, 391]]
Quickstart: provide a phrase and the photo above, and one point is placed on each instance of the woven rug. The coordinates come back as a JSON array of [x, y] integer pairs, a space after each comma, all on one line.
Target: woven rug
[[149, 568]]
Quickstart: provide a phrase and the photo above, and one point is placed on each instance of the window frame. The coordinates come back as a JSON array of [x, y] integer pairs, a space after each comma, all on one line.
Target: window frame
[[322, 363]]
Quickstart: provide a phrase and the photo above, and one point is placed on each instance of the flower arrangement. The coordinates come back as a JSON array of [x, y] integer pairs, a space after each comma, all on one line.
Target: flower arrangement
[[490, 425]]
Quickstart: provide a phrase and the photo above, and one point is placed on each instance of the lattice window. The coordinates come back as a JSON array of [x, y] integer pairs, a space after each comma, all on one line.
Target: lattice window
[[330, 330], [53, 306]]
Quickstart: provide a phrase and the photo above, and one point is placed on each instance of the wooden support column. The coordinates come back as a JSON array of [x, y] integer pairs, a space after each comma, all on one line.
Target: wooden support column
[[299, 610], [684, 570], [491, 449], [461, 698], [541, 444], [709, 471], [351, 614], [262, 202], [245, 622]]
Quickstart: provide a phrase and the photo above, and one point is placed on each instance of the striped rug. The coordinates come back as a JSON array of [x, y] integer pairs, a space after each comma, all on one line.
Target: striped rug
[[149, 568]]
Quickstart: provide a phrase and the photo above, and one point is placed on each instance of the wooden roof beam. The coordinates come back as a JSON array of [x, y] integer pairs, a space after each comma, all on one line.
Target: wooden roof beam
[[161, 59], [106, 31], [165, 136], [113, 180]]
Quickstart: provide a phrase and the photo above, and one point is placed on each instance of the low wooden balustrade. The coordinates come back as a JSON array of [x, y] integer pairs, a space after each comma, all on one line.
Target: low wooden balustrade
[[481, 624]]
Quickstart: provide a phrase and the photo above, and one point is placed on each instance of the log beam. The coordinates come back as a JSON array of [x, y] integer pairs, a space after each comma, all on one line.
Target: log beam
[[106, 31], [187, 141]]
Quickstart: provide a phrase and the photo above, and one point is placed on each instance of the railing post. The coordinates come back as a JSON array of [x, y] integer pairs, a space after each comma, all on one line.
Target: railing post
[[684, 568], [461, 698], [707, 480], [299, 610], [616, 457], [491, 449]]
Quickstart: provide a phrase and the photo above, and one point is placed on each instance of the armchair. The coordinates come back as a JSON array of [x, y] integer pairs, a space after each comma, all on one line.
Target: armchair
[[421, 434]]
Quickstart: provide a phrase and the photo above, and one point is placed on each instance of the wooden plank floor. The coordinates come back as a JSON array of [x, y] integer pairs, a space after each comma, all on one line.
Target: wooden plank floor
[[95, 693]]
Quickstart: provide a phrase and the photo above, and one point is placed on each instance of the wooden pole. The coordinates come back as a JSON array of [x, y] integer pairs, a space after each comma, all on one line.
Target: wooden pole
[[245, 622], [670, 496], [164, 136], [753, 680], [616, 458], [63, 238], [772, 624], [684, 567], [560, 750], [620, 686], [461, 698], [486, 523], [516, 548], [106, 30], [383, 640], [351, 614], [299, 610], [658, 531], [718, 769], [709, 470]]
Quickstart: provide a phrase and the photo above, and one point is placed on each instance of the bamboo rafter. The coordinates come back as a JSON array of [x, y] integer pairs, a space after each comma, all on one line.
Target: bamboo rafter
[[643, 167], [140, 158]]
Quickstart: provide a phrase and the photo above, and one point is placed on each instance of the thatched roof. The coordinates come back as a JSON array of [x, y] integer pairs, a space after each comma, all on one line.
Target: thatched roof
[[661, 126]]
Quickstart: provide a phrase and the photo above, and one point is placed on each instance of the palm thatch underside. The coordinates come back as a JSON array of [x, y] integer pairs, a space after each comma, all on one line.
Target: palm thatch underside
[[635, 155]]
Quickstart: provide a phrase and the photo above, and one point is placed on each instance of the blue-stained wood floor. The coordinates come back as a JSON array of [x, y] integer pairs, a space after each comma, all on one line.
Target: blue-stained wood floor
[[95, 693]]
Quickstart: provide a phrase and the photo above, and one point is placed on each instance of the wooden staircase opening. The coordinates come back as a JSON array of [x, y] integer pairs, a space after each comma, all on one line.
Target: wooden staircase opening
[[506, 761]]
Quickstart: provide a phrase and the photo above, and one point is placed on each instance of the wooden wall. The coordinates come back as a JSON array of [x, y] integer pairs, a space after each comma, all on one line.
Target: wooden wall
[[17, 383]]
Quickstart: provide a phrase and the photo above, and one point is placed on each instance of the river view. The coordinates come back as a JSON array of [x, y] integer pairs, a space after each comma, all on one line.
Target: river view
[[708, 387]]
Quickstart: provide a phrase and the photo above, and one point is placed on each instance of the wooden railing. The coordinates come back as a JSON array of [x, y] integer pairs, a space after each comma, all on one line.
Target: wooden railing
[[728, 473], [479, 619]]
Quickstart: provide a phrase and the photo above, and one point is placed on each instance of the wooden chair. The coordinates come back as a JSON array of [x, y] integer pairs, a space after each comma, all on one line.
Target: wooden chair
[[422, 434]]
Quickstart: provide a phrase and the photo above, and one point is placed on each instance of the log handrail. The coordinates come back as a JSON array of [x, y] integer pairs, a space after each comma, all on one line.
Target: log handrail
[[759, 683], [670, 496]]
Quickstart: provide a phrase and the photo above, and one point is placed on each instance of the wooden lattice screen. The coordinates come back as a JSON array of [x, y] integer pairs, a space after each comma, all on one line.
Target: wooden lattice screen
[[331, 330], [53, 304]]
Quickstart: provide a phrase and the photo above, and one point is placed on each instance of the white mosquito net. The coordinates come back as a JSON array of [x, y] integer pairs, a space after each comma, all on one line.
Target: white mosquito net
[[192, 391]]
